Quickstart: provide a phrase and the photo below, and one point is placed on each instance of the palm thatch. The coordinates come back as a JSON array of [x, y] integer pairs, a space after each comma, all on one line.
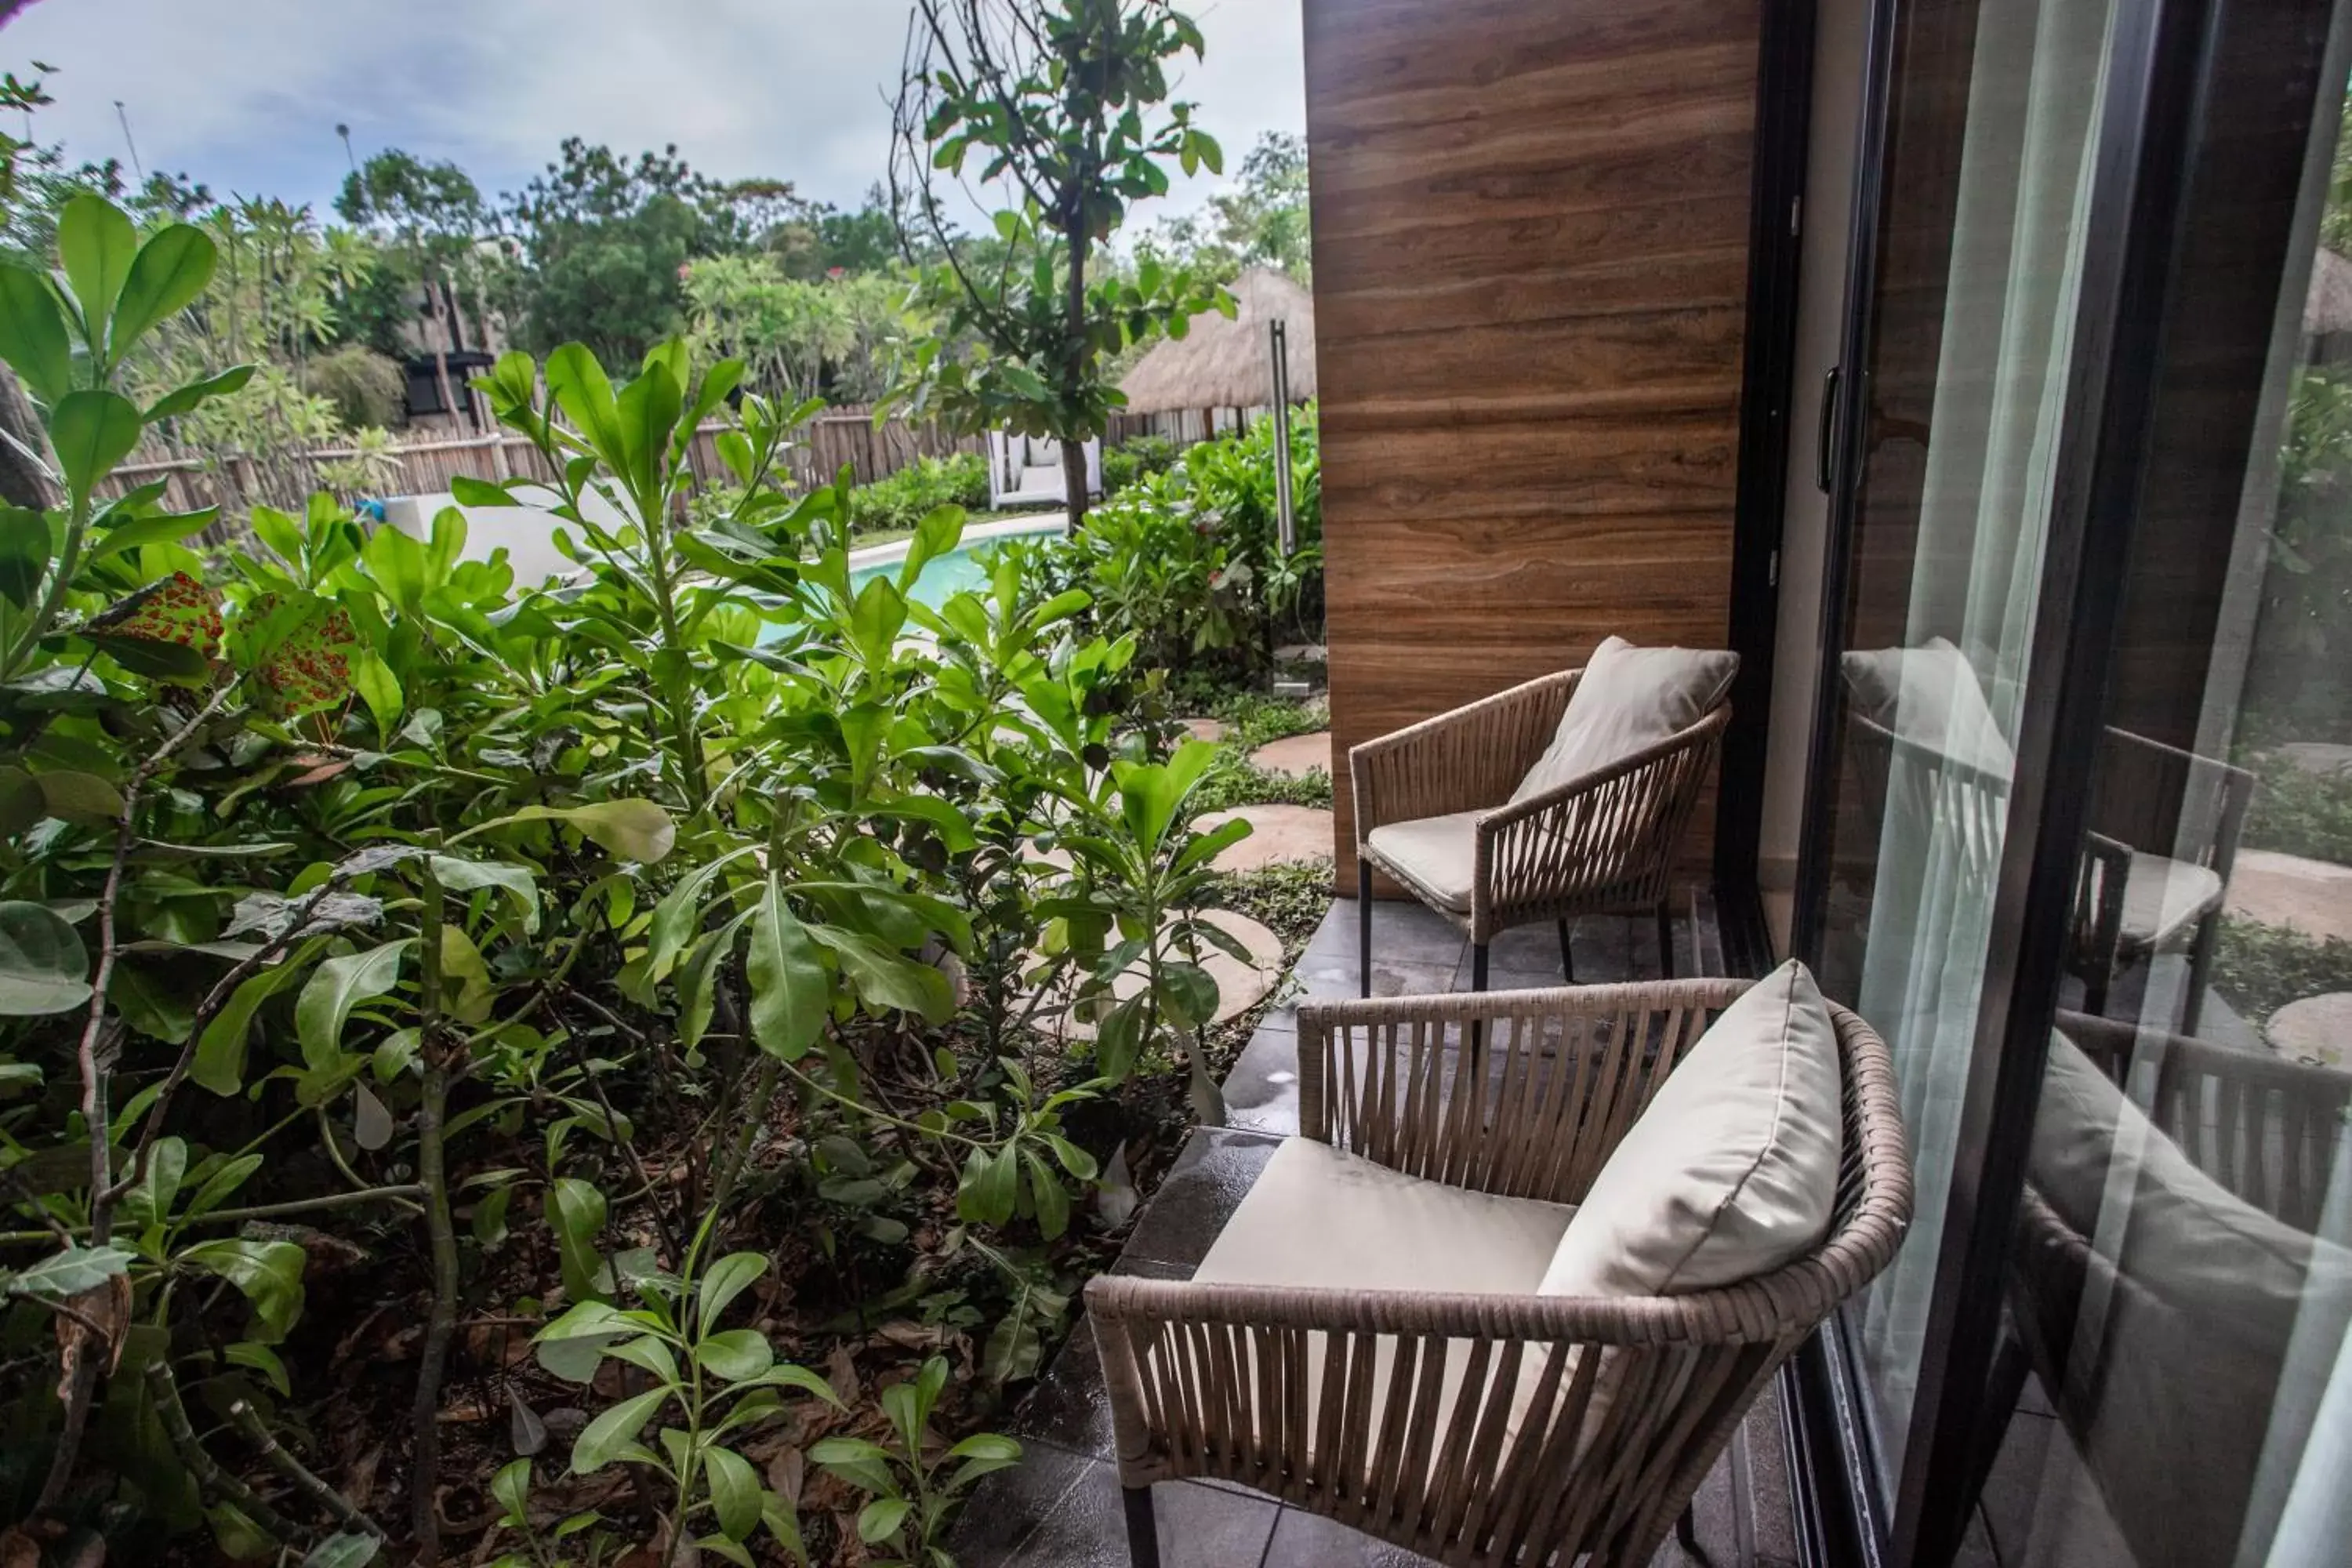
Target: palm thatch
[[1223, 363]]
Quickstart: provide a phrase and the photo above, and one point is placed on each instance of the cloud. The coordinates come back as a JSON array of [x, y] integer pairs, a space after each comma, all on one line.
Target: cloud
[[244, 95]]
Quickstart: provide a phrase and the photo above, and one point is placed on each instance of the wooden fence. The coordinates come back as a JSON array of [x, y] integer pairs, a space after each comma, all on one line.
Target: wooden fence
[[840, 438]]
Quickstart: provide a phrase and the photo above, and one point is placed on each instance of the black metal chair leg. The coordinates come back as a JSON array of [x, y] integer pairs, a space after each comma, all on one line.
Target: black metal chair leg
[[1566, 959], [1665, 940], [1363, 926], [1686, 1534], [1142, 1529], [1478, 967]]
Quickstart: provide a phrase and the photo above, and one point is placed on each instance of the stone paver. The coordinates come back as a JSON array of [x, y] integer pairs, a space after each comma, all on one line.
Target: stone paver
[[1296, 756], [2314, 896], [1278, 833], [2314, 1031], [1205, 729], [2318, 757], [1240, 986]]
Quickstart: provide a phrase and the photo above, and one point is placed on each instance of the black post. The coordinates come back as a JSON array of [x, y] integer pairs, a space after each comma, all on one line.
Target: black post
[[1142, 1530], [1478, 967], [1566, 959], [1665, 939], [1363, 926]]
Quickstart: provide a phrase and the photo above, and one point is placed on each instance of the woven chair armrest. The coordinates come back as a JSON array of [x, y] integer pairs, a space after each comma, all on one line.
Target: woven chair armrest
[[1535, 1111], [1735, 1315], [1464, 760], [1609, 834]]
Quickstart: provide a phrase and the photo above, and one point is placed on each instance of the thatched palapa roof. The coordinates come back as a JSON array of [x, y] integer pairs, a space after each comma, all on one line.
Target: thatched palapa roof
[[1223, 363]]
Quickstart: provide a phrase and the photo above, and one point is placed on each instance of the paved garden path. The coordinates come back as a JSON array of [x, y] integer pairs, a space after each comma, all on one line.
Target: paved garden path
[[2314, 896], [1296, 756], [1278, 834]]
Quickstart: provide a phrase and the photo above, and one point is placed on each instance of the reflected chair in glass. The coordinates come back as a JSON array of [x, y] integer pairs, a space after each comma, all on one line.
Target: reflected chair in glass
[[2156, 860], [2162, 1358], [1488, 1426], [1600, 844]]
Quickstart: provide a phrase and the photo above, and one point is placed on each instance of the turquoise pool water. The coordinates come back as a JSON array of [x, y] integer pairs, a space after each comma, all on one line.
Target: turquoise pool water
[[943, 575]]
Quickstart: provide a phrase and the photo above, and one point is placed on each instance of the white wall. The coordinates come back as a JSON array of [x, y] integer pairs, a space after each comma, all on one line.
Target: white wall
[[1820, 310], [525, 533]]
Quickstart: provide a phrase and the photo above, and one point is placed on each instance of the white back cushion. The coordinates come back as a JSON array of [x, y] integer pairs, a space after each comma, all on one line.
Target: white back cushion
[[1930, 696], [1630, 698], [1732, 1169]]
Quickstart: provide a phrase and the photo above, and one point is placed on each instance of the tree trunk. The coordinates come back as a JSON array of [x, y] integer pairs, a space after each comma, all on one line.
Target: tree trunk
[[1074, 326], [22, 482], [1073, 481]]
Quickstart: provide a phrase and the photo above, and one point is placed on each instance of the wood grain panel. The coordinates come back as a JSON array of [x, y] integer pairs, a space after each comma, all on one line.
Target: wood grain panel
[[1530, 223]]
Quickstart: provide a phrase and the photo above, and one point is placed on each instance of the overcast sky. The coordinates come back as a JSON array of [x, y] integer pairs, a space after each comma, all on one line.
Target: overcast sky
[[244, 95]]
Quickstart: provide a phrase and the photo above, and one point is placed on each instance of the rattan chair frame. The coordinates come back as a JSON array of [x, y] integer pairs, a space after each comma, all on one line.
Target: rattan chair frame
[[1602, 842], [1222, 1381]]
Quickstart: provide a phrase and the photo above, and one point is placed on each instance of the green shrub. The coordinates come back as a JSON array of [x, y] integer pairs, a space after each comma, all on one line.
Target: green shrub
[[1135, 458], [896, 503], [2261, 968], [2297, 812], [367, 389]]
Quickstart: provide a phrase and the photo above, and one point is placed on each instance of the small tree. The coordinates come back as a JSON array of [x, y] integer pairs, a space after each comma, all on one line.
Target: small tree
[[1063, 106]]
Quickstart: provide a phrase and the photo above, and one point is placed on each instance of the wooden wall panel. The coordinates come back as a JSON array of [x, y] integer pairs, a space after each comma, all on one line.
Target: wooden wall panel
[[1530, 223]]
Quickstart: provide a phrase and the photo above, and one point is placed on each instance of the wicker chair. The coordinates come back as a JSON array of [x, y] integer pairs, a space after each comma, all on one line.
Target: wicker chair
[[1601, 843], [1488, 1428]]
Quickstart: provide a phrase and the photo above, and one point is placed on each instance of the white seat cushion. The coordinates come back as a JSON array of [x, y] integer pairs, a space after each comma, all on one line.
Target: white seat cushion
[[1436, 856], [1731, 1171], [1628, 700], [2163, 898], [1322, 1217]]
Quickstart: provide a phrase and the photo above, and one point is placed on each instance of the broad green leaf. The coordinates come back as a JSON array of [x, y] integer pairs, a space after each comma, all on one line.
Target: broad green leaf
[[344, 1549], [297, 650], [576, 1210], [636, 829], [790, 994], [1048, 1197], [92, 430], [879, 1521], [165, 527], [466, 987], [44, 968], [80, 796], [336, 987], [677, 917], [511, 1487], [96, 245], [736, 1354], [218, 1187], [615, 1429], [70, 1271], [270, 1273], [33, 339], [467, 490], [517, 882], [253, 1354], [698, 977], [24, 554], [397, 562], [886, 980], [722, 1283], [648, 410], [170, 270], [150, 1202], [196, 394], [735, 1492], [584, 393]]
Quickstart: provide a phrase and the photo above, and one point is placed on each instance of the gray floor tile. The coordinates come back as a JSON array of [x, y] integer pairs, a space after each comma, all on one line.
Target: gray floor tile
[[1069, 1406], [1311, 1540], [1199, 1527], [1006, 1508], [1199, 1193]]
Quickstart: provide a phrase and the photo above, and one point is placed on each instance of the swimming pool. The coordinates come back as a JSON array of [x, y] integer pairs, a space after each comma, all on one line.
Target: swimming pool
[[943, 575]]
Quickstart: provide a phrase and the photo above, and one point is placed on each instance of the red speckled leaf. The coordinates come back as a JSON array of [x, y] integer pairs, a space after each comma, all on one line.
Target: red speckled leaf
[[176, 609], [295, 650]]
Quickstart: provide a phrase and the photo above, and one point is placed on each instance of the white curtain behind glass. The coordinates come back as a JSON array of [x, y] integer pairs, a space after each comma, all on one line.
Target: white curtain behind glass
[[2000, 387]]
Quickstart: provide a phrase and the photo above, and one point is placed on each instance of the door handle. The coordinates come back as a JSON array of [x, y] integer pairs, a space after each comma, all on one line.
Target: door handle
[[1825, 432]]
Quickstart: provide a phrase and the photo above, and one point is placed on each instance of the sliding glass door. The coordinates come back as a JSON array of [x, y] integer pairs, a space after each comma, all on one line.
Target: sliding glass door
[[2079, 819]]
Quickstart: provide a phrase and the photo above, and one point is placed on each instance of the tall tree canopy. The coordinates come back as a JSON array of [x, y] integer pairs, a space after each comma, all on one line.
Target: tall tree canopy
[[1061, 109]]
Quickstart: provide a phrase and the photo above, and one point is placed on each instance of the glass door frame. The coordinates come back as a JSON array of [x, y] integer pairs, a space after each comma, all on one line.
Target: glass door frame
[[2148, 118]]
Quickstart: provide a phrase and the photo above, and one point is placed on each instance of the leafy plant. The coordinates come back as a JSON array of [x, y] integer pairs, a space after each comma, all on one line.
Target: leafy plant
[[703, 1383], [912, 1492], [1059, 104], [904, 499]]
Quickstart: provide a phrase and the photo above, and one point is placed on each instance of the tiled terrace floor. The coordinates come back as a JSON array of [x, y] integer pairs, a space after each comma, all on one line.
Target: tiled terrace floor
[[1061, 1506]]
